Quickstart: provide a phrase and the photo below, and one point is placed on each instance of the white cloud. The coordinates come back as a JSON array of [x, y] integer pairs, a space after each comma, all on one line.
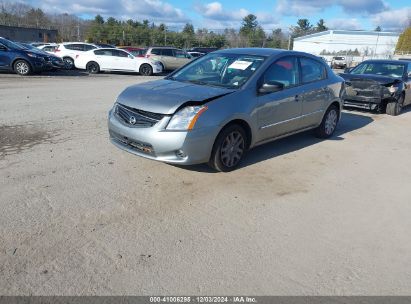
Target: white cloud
[[215, 16], [153, 10], [310, 7], [393, 20], [344, 24]]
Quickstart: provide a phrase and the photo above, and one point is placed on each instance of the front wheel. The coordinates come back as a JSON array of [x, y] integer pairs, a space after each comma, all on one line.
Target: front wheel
[[68, 63], [329, 123], [229, 149], [22, 67], [395, 108], [146, 69]]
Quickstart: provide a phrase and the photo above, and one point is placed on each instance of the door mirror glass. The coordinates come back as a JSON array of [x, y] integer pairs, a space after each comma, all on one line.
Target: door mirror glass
[[271, 87], [348, 70]]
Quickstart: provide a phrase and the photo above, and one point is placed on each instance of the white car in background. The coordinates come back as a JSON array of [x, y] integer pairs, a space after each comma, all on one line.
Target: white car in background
[[49, 48], [109, 59], [69, 50]]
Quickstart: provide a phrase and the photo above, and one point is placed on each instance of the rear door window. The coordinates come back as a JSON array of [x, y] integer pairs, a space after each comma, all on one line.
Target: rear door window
[[167, 52], [155, 52], [103, 52], [311, 70], [119, 53], [75, 47], [88, 47]]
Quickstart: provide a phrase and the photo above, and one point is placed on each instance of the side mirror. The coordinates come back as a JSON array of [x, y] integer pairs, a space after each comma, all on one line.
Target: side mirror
[[3, 48], [131, 56], [271, 87], [348, 70]]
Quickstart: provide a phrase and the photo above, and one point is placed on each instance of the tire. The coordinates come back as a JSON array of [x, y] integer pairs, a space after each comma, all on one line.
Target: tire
[[329, 123], [22, 67], [93, 67], [146, 69], [395, 108], [229, 149], [68, 63]]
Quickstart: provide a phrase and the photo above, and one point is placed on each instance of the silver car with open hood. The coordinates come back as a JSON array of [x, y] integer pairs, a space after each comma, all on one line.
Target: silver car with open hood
[[216, 108]]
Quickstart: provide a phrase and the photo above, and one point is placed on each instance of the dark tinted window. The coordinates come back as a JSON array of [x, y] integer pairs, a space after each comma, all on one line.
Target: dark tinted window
[[75, 47], [167, 52], [156, 51], [312, 70], [89, 47], [119, 53], [104, 52], [284, 70], [49, 48], [181, 54], [138, 52]]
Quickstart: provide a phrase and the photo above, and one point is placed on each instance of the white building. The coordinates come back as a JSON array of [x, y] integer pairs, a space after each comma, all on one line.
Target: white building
[[367, 43]]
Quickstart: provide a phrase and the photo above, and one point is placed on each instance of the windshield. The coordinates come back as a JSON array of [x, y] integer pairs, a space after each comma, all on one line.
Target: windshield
[[377, 68], [11, 45], [223, 70]]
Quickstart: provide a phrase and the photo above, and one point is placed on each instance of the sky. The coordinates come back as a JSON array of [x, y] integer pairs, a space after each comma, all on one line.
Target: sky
[[391, 15]]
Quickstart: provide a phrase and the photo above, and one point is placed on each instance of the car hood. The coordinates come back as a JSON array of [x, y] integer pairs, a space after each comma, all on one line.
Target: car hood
[[383, 80], [166, 96]]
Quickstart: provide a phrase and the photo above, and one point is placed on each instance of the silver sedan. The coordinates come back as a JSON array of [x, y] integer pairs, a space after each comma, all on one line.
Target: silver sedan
[[219, 106]]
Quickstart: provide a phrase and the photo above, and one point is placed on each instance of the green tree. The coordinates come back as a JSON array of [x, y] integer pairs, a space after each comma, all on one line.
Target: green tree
[[99, 20], [404, 41], [304, 27], [321, 26], [378, 29], [249, 23]]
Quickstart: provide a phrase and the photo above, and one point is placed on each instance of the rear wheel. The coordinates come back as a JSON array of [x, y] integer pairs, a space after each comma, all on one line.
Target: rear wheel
[[146, 69], [22, 67], [329, 123], [68, 63], [229, 149], [395, 108], [93, 67]]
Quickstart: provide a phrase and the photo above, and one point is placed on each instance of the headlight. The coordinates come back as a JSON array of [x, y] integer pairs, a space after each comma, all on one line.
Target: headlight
[[186, 118], [33, 55], [393, 89]]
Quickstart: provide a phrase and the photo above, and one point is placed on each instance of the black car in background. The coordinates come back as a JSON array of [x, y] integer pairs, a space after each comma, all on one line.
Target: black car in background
[[16, 58], [382, 85]]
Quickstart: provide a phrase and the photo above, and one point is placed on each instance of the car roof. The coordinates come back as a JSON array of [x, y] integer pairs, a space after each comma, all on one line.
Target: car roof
[[266, 52], [386, 61], [65, 43]]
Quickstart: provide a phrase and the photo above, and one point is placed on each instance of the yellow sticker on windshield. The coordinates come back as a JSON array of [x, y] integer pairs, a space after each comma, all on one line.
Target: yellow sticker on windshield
[[240, 65]]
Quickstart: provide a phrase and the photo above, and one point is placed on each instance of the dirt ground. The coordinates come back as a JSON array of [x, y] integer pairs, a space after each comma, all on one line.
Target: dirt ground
[[301, 216]]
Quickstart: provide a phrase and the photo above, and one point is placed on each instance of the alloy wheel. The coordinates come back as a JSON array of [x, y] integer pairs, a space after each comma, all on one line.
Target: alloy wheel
[[22, 68], [331, 122], [232, 149]]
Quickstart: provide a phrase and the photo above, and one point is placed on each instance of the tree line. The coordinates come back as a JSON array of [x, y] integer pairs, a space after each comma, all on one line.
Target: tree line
[[145, 33]]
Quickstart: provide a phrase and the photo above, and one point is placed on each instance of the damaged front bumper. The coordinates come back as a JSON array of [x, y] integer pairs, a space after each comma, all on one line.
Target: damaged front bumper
[[367, 95]]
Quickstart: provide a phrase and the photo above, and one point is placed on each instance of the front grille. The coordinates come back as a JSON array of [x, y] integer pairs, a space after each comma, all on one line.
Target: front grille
[[137, 118], [132, 144]]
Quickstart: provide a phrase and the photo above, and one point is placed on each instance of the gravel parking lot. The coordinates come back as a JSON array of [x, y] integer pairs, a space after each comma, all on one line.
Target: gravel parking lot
[[300, 217]]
